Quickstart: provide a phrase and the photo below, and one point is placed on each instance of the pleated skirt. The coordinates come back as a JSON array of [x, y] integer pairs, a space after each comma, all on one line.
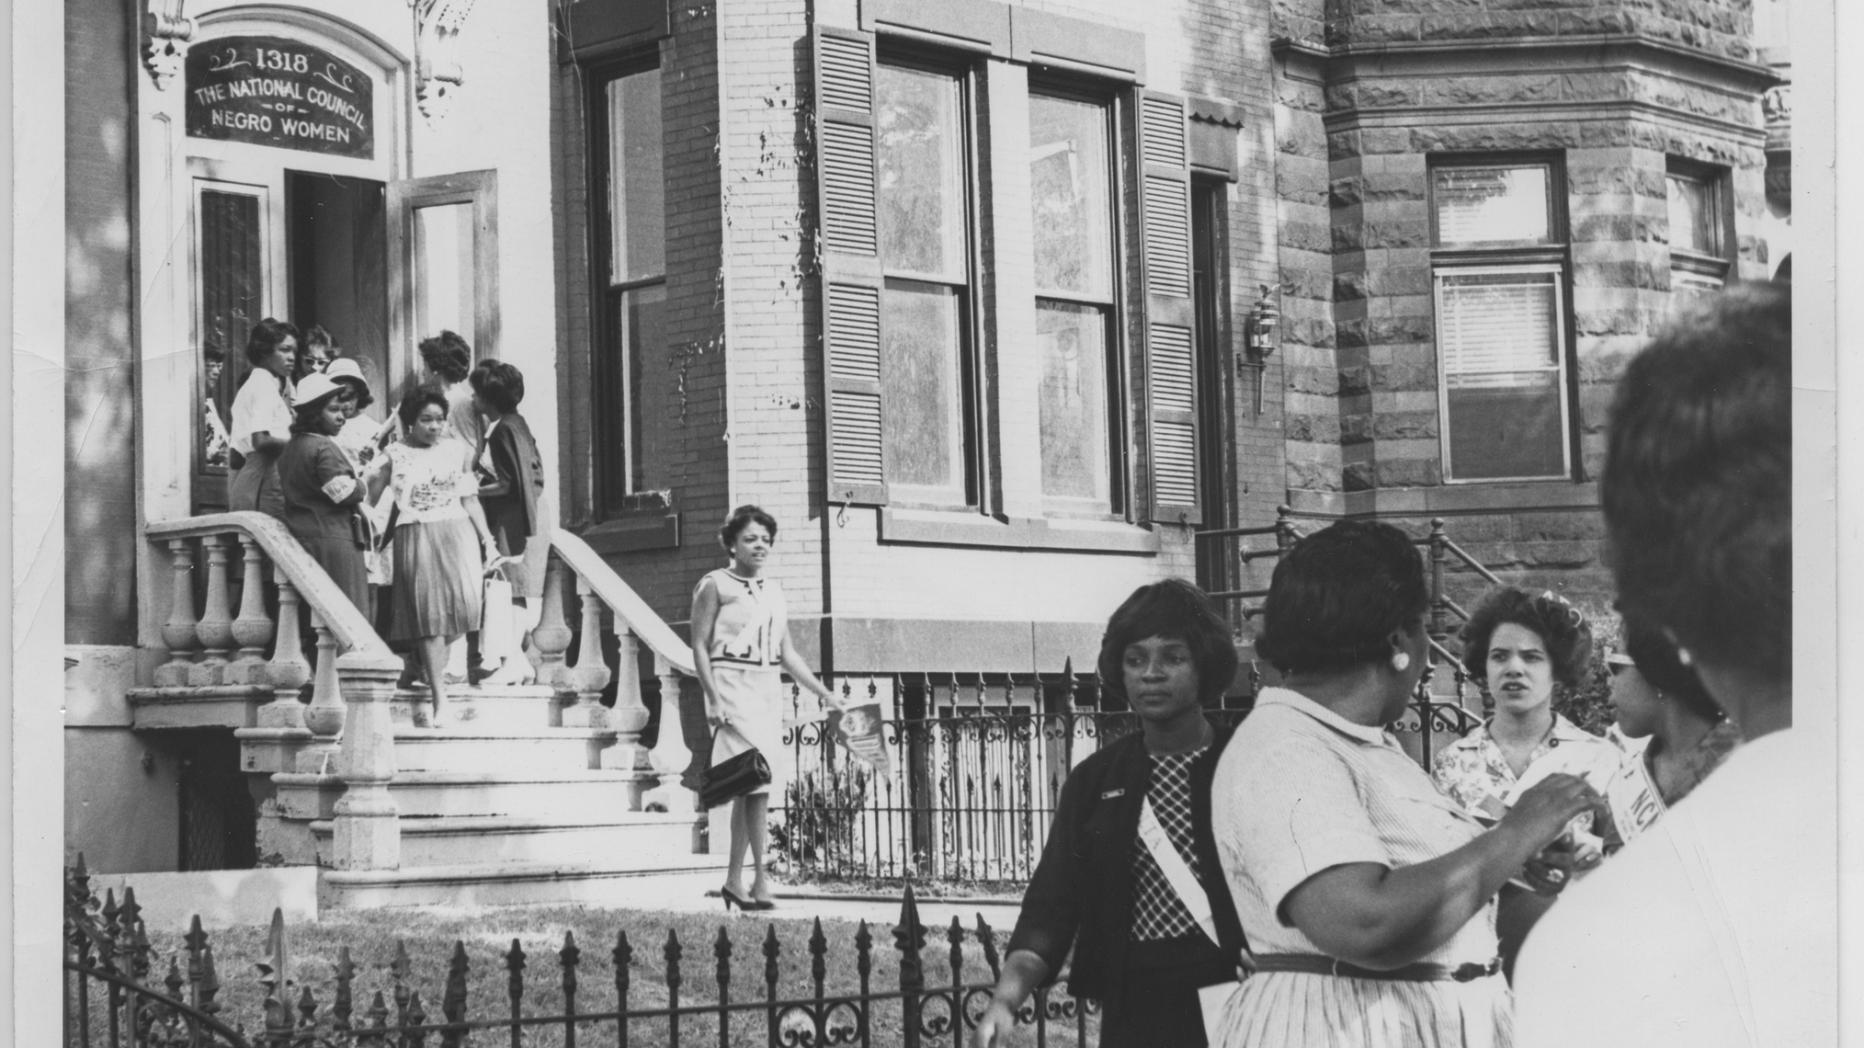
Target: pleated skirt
[[439, 580], [1302, 1010]]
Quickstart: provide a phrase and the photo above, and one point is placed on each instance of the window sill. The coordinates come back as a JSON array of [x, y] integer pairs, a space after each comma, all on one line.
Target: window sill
[[637, 531], [1468, 496], [952, 528]]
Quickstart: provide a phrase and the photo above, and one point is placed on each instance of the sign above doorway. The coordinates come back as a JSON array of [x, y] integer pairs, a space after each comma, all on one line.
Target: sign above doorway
[[272, 91]]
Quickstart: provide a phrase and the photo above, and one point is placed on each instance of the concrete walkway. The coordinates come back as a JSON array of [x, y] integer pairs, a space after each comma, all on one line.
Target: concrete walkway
[[698, 893]]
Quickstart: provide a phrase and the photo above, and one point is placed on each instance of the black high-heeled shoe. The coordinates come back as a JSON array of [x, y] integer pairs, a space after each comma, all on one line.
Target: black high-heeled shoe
[[734, 899]]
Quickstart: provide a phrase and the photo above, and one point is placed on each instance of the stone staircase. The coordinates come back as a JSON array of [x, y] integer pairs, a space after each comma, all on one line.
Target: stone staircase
[[529, 794]]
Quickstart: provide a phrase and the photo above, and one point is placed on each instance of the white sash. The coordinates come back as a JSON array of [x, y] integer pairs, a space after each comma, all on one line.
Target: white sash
[[1211, 1000], [1634, 799], [1172, 865]]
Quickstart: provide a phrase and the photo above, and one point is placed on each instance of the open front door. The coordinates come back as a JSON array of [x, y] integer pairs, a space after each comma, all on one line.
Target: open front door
[[443, 265]]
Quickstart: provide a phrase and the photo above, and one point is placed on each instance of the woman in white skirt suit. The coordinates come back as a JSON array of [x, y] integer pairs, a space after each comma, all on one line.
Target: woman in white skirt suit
[[741, 645]]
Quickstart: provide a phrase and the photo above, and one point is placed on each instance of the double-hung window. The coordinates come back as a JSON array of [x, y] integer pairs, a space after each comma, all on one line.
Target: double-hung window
[[1698, 230], [1072, 198], [1500, 280], [925, 252], [631, 418]]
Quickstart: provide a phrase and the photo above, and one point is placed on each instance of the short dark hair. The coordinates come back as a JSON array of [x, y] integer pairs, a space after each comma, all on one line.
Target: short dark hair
[[499, 384], [1657, 660], [213, 353], [315, 335], [1170, 608], [1338, 595], [447, 355], [1697, 485], [416, 402], [265, 337], [1554, 619], [741, 518]]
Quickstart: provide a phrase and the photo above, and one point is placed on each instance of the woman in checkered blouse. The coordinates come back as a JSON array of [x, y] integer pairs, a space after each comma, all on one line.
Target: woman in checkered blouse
[[1138, 947]]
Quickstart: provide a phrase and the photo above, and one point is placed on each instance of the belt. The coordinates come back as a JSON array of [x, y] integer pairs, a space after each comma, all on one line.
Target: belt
[[1315, 964]]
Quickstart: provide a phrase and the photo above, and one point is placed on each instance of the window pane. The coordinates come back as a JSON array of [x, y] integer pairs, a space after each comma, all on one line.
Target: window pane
[[921, 174], [1498, 321], [1478, 205], [636, 190], [1506, 425], [1692, 215], [1499, 334], [923, 424], [651, 412], [1072, 195], [443, 267], [232, 298], [1073, 408]]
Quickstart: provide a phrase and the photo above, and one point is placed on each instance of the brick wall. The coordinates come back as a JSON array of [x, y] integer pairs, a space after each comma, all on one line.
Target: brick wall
[[100, 401]]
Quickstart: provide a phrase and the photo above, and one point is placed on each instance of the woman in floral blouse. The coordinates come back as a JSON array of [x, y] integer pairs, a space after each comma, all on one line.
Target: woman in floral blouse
[[1520, 646]]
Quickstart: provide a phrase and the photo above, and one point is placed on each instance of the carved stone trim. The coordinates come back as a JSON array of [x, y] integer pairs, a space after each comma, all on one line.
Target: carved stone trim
[[168, 31], [437, 65]]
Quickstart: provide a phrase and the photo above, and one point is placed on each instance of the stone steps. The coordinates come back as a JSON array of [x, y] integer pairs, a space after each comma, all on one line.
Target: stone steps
[[593, 883], [473, 747], [620, 840]]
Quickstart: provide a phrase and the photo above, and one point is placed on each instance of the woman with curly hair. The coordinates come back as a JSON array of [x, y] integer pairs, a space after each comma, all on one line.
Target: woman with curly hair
[[1520, 647]]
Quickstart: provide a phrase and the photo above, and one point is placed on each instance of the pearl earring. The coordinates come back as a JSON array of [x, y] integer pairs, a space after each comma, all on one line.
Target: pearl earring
[[1401, 661], [1683, 656]]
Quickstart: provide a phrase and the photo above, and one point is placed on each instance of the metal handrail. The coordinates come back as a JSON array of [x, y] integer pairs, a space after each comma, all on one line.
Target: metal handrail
[[1471, 562]]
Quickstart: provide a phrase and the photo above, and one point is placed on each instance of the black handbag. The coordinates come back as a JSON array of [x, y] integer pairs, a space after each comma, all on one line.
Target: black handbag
[[732, 777]]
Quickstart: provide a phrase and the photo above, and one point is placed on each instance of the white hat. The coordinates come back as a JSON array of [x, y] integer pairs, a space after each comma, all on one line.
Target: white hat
[[345, 367], [314, 387]]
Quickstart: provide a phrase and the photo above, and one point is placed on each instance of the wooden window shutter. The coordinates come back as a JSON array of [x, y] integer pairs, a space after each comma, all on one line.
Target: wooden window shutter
[[1171, 391], [850, 254]]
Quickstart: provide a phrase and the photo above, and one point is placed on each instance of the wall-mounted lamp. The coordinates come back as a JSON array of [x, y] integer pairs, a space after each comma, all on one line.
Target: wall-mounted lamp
[[1259, 338]]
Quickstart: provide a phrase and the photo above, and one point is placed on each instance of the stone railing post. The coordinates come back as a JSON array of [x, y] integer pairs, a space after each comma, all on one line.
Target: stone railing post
[[215, 628], [252, 628], [325, 715], [288, 669], [629, 715], [590, 674], [178, 631], [368, 824], [670, 756], [552, 636]]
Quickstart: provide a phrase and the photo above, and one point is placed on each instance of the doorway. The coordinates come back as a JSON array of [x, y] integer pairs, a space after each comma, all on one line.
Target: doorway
[[303, 246], [336, 234]]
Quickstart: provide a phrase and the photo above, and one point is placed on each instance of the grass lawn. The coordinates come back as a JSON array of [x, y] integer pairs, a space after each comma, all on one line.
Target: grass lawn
[[487, 934]]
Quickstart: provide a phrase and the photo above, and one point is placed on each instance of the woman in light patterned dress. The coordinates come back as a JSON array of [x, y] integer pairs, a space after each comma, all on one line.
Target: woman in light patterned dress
[[441, 539], [1366, 894], [741, 645], [1523, 647]]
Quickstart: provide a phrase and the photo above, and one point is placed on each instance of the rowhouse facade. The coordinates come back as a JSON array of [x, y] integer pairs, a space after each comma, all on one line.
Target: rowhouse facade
[[996, 306]]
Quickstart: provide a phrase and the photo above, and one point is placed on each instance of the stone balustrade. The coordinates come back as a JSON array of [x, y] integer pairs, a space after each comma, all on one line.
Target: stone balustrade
[[344, 732], [634, 624]]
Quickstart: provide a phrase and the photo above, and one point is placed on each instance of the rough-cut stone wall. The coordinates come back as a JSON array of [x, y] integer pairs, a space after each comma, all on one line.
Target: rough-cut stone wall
[[1367, 93], [1717, 27]]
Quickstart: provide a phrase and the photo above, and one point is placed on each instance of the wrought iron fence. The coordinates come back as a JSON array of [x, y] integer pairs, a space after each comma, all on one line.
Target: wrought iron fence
[[933, 999], [974, 769], [975, 766]]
